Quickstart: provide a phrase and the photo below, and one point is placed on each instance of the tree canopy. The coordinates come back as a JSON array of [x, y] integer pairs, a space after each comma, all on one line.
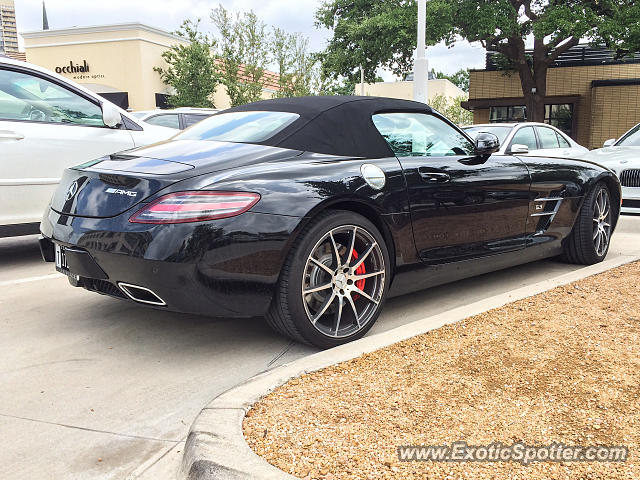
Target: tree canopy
[[382, 34], [191, 68], [370, 33]]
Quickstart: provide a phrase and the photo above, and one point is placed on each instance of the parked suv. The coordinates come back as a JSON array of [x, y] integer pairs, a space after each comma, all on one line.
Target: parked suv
[[47, 124]]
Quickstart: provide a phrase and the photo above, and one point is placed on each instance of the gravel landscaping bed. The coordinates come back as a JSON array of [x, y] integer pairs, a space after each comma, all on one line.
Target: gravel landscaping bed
[[559, 367]]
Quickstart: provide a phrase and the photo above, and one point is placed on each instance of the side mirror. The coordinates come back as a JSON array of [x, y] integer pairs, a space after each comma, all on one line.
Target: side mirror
[[110, 115], [610, 143], [487, 143], [518, 149]]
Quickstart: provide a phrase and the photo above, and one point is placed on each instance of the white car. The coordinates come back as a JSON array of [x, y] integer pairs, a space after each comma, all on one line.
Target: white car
[[47, 124], [623, 157], [531, 138], [179, 118]]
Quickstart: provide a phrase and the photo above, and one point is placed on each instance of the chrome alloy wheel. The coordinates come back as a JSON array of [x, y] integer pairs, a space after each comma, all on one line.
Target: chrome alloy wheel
[[343, 281], [602, 222]]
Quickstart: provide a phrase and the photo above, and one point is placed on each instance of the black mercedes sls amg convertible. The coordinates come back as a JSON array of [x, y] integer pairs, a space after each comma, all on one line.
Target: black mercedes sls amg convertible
[[312, 211]]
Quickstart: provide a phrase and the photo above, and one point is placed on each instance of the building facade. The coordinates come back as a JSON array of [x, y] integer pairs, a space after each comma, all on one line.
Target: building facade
[[591, 95], [116, 61], [8, 31]]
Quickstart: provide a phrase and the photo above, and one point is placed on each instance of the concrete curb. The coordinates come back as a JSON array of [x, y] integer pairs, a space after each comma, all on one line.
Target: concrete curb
[[216, 448]]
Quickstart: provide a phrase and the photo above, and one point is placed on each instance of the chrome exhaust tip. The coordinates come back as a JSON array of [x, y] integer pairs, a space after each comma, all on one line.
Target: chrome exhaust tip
[[141, 294]]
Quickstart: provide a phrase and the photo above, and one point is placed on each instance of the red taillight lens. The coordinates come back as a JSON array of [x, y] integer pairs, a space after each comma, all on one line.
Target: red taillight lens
[[185, 207]]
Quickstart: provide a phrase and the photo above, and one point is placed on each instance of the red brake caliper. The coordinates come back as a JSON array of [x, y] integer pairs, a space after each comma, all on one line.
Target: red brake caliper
[[361, 270]]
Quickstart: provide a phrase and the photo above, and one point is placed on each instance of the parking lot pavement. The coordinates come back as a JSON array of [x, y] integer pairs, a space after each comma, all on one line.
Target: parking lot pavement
[[92, 387]]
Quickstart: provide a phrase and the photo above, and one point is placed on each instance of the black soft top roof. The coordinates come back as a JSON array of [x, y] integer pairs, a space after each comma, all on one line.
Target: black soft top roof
[[333, 125]]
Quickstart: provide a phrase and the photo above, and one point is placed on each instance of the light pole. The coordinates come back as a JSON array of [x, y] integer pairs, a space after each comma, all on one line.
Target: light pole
[[421, 65]]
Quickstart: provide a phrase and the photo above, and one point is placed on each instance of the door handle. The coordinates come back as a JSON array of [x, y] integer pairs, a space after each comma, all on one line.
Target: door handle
[[434, 177], [8, 136]]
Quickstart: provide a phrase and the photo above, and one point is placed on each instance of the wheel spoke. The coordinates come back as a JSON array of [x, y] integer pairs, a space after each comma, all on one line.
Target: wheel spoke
[[355, 310], [317, 289], [338, 316], [322, 266], [367, 275], [365, 255], [600, 202], [325, 305], [335, 250], [598, 241], [596, 232], [365, 295], [353, 242]]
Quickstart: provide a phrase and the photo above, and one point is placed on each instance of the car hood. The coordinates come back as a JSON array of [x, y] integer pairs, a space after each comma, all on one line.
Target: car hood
[[113, 184], [615, 156]]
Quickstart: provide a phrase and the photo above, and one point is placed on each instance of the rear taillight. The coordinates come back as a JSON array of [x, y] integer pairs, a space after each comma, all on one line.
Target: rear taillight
[[198, 206]]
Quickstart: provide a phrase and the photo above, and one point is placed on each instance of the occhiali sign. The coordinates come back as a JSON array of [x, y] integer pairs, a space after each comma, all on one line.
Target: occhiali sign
[[71, 68]]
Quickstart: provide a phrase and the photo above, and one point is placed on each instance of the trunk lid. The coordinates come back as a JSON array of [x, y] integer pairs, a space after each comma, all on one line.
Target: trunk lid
[[111, 185]]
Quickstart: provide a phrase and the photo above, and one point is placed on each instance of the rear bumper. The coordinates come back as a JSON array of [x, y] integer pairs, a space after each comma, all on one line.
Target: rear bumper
[[225, 268]]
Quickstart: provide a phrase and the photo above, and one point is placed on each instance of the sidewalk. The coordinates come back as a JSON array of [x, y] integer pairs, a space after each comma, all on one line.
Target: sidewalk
[[216, 447]]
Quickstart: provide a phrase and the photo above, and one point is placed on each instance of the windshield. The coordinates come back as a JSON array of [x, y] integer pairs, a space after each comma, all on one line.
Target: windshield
[[242, 127], [501, 132], [631, 138]]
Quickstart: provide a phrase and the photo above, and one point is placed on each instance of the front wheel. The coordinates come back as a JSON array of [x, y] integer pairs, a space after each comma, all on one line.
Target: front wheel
[[591, 236], [333, 284]]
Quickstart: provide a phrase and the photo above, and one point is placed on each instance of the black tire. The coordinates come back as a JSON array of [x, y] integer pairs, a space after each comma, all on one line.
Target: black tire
[[582, 247], [291, 312]]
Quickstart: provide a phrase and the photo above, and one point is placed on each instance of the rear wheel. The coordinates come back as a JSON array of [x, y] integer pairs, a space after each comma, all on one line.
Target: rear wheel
[[333, 284], [591, 236]]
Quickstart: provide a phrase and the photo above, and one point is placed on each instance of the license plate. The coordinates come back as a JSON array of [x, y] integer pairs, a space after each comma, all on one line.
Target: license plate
[[61, 259]]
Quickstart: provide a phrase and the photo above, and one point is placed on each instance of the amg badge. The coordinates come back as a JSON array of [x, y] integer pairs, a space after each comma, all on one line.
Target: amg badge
[[118, 191]]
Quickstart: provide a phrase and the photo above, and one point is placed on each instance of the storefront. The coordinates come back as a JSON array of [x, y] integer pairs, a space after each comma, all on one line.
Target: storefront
[[115, 61], [591, 95]]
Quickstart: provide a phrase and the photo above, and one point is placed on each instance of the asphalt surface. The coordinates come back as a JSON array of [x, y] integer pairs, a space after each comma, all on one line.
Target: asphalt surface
[[96, 388]]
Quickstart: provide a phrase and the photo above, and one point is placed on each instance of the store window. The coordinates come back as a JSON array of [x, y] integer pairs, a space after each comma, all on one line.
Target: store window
[[508, 114], [560, 116]]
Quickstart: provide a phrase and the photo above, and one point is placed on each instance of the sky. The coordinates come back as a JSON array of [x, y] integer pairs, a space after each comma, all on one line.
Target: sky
[[290, 15]]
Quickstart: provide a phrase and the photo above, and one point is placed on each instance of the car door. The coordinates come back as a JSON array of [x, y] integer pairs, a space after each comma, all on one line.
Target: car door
[[189, 119], [524, 136], [45, 127], [551, 143], [169, 120], [462, 205]]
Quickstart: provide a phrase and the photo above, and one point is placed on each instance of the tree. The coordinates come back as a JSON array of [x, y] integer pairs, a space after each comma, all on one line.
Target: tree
[[459, 79], [367, 33], [452, 109], [555, 26], [244, 54], [191, 68], [382, 34], [295, 63]]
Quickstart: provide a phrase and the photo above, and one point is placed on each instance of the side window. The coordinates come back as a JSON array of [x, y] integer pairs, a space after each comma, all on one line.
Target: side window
[[563, 141], [31, 98], [171, 121], [548, 138], [191, 119], [525, 136], [419, 134]]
